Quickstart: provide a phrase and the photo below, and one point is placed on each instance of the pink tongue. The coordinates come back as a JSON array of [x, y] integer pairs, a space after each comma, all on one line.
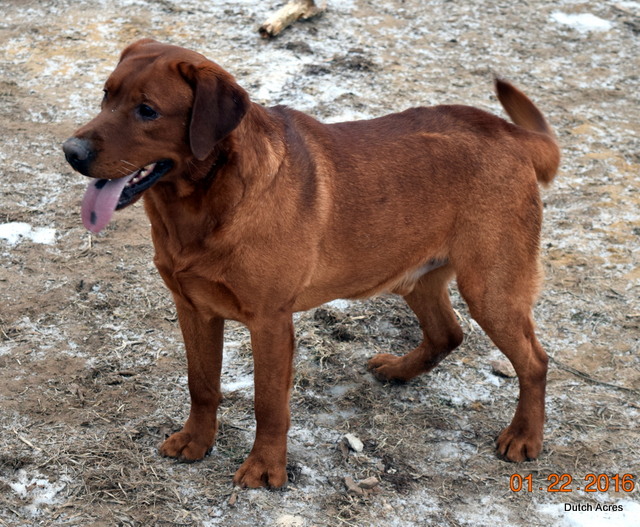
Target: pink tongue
[[100, 201]]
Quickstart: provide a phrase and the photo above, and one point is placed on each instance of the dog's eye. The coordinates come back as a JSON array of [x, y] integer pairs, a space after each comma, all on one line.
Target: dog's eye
[[146, 113]]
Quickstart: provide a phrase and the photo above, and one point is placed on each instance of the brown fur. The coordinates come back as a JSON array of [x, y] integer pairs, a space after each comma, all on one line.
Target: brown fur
[[268, 211]]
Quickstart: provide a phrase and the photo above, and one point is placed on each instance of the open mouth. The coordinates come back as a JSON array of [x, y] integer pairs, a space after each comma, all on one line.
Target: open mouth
[[140, 181], [104, 196]]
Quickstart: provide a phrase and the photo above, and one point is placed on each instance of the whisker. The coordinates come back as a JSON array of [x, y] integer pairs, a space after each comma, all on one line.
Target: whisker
[[190, 166], [125, 171], [129, 163]]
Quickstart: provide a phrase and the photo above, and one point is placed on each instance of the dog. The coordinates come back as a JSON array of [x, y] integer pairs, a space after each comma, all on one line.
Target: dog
[[257, 213]]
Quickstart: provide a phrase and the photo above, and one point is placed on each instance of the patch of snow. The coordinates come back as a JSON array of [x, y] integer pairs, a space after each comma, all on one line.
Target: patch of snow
[[289, 520], [233, 377], [241, 382], [466, 390], [339, 304], [582, 21], [37, 490], [15, 232]]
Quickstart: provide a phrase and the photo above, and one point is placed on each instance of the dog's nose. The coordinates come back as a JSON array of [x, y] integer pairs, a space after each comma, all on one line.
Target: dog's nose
[[79, 153]]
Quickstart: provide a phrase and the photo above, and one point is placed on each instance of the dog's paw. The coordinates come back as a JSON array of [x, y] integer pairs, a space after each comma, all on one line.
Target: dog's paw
[[386, 367], [518, 446], [185, 447], [258, 471]]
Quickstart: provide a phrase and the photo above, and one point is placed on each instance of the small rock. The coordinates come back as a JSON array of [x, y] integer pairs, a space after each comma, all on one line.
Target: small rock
[[76, 390], [352, 486], [233, 499], [369, 483], [354, 443], [343, 446], [503, 368]]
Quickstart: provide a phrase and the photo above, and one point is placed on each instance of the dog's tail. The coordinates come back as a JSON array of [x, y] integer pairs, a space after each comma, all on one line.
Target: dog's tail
[[544, 148]]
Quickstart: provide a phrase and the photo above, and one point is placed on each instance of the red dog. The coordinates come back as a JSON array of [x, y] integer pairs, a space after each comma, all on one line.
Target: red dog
[[260, 212]]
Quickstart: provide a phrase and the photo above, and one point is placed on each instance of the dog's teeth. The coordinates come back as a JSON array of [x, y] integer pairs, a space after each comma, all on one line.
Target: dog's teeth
[[147, 170], [142, 173]]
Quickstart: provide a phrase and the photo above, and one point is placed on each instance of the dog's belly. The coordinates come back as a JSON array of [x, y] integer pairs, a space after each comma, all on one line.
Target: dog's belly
[[400, 284], [406, 283]]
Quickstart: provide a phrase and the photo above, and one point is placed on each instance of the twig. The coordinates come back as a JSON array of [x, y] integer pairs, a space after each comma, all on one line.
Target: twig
[[26, 441], [588, 377]]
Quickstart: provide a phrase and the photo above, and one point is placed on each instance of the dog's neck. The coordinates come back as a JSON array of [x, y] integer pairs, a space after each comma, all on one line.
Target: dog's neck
[[243, 164]]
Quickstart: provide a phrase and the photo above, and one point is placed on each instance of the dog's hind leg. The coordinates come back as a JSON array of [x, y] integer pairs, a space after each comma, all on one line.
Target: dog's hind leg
[[441, 331], [500, 296]]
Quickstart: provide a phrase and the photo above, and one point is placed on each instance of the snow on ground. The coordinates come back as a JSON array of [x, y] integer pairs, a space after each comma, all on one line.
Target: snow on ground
[[36, 492], [582, 21], [14, 232]]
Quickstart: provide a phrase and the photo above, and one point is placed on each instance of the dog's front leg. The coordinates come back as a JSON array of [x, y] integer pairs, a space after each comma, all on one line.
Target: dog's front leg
[[273, 344], [203, 339]]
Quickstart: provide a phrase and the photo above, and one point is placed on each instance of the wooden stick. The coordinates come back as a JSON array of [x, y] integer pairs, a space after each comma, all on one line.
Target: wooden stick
[[290, 13]]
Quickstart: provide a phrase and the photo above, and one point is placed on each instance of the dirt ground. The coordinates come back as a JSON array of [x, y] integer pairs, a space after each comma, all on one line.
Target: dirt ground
[[93, 375]]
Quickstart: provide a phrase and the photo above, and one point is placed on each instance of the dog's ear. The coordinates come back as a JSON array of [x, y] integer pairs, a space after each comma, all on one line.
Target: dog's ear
[[219, 105]]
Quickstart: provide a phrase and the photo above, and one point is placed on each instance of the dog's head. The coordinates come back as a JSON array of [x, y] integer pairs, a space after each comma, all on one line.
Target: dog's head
[[164, 111]]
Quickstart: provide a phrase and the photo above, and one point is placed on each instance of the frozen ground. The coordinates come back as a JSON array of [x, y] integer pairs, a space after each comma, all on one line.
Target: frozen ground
[[93, 374]]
